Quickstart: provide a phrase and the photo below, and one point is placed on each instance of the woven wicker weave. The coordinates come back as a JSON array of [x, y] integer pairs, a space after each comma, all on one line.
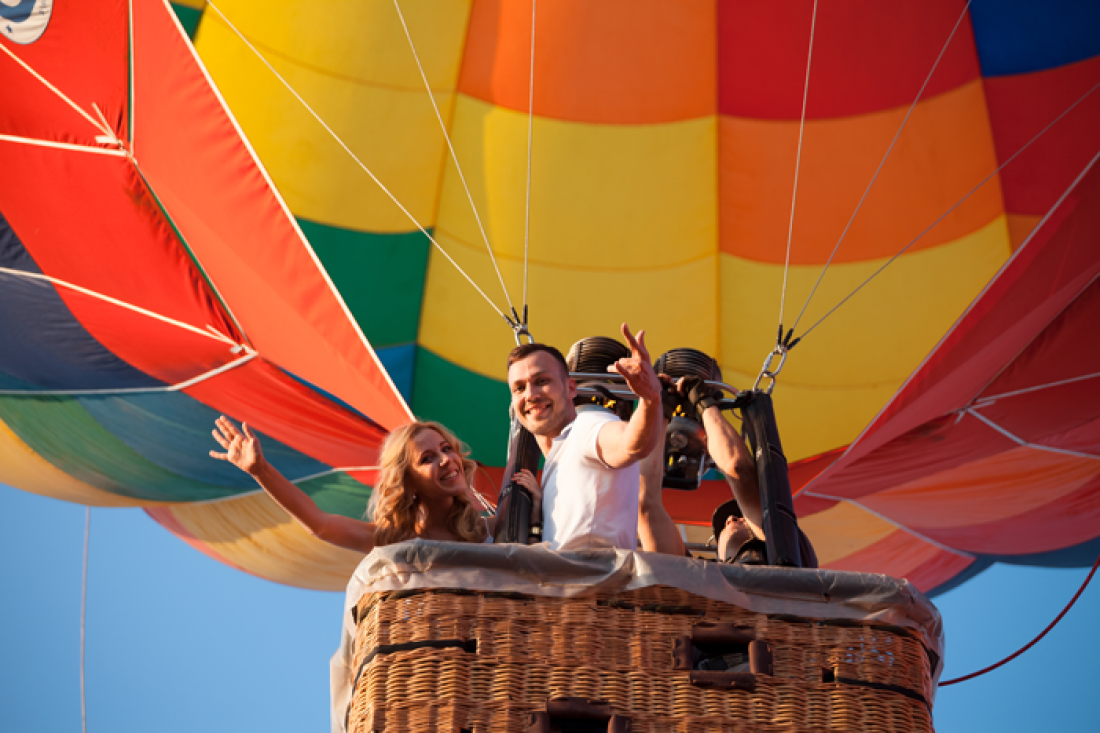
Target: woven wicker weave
[[827, 675]]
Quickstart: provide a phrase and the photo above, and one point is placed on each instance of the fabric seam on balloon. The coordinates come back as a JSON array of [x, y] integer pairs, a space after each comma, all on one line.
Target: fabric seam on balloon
[[563, 266], [987, 401], [256, 492], [57, 91], [293, 61], [210, 333], [63, 146], [133, 390], [1034, 446], [894, 522]]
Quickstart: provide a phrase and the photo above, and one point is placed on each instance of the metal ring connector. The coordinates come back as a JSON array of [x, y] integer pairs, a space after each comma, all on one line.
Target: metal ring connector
[[767, 371]]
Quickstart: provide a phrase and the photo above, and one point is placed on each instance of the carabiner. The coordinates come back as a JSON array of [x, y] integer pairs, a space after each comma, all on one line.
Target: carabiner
[[767, 371]]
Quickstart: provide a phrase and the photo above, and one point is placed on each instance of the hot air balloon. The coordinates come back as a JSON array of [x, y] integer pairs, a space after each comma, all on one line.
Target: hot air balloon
[[183, 237]]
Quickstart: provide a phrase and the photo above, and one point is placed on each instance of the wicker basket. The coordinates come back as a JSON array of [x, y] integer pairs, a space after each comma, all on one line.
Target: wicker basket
[[454, 660]]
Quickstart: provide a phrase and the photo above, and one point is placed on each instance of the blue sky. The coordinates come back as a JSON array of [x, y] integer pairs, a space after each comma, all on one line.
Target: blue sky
[[179, 642]]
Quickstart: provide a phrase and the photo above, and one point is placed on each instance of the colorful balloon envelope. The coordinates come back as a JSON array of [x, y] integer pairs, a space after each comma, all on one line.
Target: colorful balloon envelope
[[181, 237]]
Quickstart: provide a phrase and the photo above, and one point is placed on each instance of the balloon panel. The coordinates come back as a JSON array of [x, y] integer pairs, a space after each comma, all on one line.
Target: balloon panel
[[1023, 36], [189, 13], [618, 62]]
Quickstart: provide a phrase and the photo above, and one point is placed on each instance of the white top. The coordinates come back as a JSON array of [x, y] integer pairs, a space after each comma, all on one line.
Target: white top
[[586, 503]]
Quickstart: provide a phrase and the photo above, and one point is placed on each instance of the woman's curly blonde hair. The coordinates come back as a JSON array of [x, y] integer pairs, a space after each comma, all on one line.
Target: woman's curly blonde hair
[[398, 513]]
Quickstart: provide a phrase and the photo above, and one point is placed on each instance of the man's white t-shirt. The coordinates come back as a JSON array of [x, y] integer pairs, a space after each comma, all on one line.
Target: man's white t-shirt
[[586, 503]]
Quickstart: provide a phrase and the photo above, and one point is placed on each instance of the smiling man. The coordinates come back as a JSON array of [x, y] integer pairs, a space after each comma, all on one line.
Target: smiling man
[[590, 477]]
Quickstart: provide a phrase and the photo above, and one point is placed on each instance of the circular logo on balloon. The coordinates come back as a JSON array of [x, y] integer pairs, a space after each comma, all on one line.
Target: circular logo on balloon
[[24, 21]]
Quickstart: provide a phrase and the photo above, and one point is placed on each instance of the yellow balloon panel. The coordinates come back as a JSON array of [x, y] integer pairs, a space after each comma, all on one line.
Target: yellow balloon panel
[[567, 304], [603, 197], [847, 368], [254, 533], [24, 469], [881, 333], [360, 76], [361, 41]]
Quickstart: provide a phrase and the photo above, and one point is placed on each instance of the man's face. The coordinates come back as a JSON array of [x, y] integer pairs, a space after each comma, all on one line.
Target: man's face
[[542, 394]]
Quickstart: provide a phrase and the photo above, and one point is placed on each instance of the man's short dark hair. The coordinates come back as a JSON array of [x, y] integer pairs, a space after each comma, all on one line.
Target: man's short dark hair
[[523, 351]]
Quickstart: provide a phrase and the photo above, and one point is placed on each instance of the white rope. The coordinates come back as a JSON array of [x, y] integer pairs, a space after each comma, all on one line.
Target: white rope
[[1020, 441], [986, 401], [131, 390], [110, 136], [133, 87], [454, 155], [484, 502], [797, 165], [296, 481], [321, 474], [210, 334], [899, 525], [878, 170], [329, 472], [530, 125], [83, 615], [959, 203], [58, 92], [62, 146], [355, 158]]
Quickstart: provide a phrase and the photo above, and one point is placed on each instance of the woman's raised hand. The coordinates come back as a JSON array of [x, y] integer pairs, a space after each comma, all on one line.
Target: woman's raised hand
[[242, 449]]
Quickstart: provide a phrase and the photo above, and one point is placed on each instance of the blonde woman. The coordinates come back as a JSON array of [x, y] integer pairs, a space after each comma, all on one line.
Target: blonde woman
[[422, 489]]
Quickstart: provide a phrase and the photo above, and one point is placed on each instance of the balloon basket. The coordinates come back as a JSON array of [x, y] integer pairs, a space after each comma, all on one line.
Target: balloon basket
[[642, 659]]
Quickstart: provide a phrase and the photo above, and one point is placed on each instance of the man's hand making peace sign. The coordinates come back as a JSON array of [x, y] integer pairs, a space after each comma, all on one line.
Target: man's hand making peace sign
[[637, 370], [620, 444]]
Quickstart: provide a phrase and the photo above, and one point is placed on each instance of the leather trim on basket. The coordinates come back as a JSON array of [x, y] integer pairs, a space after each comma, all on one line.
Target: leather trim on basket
[[466, 645], [721, 633], [662, 608], [724, 680], [357, 615], [761, 659], [559, 709], [911, 694]]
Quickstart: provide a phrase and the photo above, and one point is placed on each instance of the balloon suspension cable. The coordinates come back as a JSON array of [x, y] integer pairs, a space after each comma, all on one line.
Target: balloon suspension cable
[[783, 347], [83, 615], [210, 4], [108, 134], [530, 125], [454, 155], [1036, 640], [878, 170], [960, 202], [797, 165], [490, 508]]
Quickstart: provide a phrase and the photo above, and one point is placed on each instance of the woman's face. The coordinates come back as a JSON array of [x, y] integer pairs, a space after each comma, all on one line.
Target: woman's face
[[435, 468]]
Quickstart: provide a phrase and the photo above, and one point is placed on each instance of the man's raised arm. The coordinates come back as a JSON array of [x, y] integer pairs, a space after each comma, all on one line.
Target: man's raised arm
[[726, 448], [620, 444]]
